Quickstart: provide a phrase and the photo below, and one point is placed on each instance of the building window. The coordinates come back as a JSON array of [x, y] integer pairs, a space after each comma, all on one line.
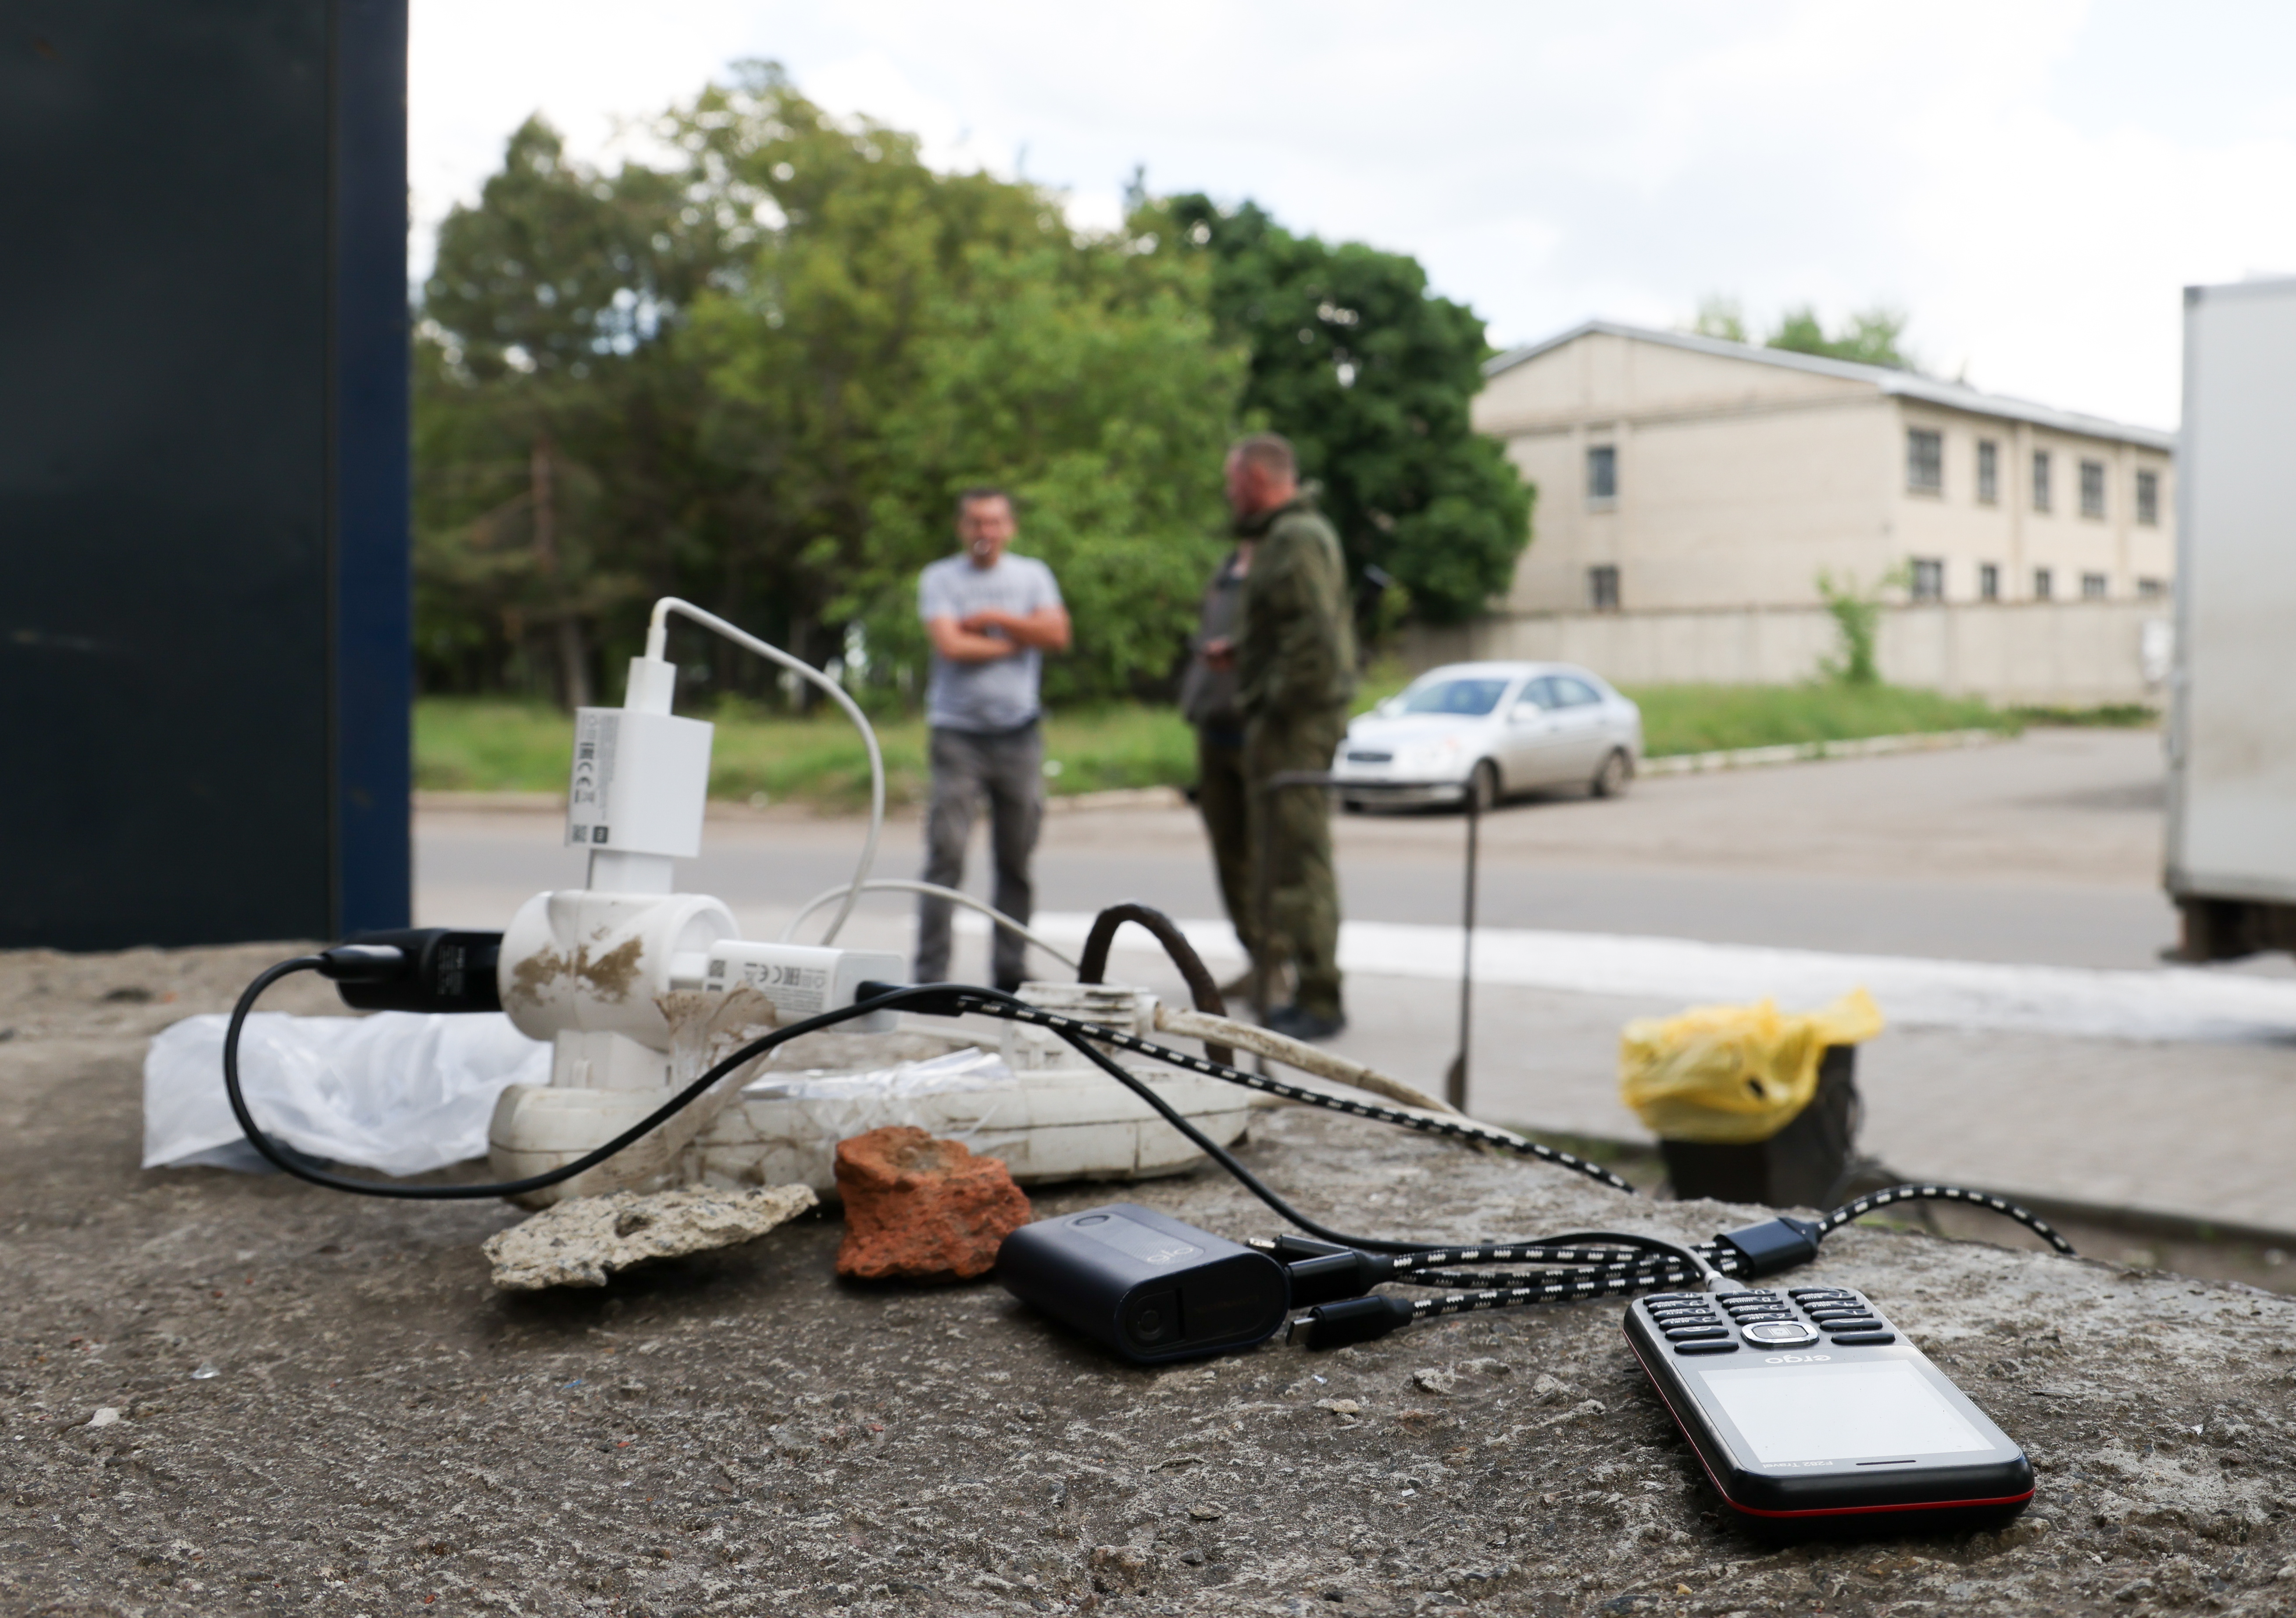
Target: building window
[[2092, 489], [2093, 586], [1603, 588], [2040, 481], [2148, 499], [1601, 474], [1988, 472], [2151, 587], [1989, 581], [1925, 462], [1929, 579], [2044, 586]]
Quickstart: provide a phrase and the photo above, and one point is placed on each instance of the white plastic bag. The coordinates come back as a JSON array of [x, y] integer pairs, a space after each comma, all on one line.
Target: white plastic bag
[[839, 1105], [785, 1128], [398, 1091]]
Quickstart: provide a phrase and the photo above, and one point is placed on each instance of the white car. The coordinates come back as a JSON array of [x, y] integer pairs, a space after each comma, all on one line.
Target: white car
[[1493, 729]]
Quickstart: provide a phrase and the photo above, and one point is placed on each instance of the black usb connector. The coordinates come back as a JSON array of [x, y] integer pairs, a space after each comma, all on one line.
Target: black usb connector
[[1331, 1276], [428, 968], [1354, 1320], [1774, 1245]]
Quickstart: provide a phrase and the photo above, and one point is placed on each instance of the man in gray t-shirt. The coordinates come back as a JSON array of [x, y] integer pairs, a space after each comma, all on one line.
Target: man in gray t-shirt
[[991, 617]]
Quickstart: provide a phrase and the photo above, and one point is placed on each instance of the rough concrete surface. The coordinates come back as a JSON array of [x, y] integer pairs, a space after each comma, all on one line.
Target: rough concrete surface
[[587, 1242], [324, 1407]]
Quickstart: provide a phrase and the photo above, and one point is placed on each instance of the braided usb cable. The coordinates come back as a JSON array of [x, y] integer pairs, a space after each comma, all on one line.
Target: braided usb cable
[[1456, 1129], [1858, 1207], [1518, 1297]]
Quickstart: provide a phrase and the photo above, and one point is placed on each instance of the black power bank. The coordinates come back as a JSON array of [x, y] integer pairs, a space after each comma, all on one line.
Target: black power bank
[[1149, 1287]]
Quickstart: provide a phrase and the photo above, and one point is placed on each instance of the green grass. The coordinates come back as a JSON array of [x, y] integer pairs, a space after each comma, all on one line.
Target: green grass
[[498, 745], [494, 745], [1715, 718], [1382, 680]]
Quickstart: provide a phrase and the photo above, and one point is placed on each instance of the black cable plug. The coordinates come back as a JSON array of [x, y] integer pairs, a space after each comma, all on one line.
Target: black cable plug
[[425, 969], [1774, 1245], [364, 963], [1356, 1320], [1329, 1277], [943, 999]]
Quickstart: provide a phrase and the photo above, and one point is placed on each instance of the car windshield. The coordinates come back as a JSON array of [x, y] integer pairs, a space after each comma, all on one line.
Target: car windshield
[[1471, 697]]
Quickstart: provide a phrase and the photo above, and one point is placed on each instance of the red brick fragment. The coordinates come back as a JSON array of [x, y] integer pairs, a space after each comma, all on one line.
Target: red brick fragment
[[923, 1210]]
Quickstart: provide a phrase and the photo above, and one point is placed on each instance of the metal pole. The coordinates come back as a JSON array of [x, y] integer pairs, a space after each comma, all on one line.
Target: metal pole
[[1454, 1087], [1262, 881]]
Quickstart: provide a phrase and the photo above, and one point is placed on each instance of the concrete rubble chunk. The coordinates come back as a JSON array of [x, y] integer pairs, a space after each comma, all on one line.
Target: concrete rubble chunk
[[920, 1209], [583, 1242]]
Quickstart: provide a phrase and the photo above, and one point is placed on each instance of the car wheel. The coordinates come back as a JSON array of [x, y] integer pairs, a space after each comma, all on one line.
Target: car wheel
[[1484, 784], [1611, 781]]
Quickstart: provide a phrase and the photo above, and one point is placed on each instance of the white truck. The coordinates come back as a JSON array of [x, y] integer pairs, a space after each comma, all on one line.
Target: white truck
[[2231, 866]]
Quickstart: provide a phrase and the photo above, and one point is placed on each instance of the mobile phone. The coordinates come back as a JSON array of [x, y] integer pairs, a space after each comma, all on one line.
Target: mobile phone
[[1808, 1409]]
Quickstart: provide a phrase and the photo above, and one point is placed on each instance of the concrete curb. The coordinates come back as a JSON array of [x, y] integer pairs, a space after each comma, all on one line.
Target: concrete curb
[[439, 800], [1803, 752], [1121, 798]]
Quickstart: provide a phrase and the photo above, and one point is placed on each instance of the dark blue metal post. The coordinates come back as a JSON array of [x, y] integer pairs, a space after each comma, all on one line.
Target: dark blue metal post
[[373, 591]]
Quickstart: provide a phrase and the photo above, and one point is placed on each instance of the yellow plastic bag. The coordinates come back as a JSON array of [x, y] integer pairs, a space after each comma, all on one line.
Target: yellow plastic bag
[[1729, 1075]]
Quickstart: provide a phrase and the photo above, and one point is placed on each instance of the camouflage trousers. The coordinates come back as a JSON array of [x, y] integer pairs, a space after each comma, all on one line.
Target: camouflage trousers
[[1292, 825]]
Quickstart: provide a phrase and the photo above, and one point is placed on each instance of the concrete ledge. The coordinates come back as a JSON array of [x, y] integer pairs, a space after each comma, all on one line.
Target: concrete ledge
[[1803, 752], [1122, 797]]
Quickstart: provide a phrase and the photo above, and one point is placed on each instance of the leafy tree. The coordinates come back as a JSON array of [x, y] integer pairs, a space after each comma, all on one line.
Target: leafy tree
[[1722, 317], [1870, 338], [904, 334], [1371, 378], [766, 370], [555, 477]]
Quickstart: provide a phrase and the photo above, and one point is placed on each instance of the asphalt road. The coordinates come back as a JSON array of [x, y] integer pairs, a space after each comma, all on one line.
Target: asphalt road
[[2045, 850]]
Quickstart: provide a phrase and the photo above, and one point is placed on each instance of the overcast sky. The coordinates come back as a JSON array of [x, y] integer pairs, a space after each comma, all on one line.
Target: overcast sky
[[2033, 182]]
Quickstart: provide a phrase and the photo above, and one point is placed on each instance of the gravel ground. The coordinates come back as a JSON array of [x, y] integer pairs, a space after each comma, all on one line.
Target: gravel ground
[[318, 1404]]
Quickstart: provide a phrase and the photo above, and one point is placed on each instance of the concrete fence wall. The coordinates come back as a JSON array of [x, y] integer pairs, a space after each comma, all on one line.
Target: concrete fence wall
[[2073, 654]]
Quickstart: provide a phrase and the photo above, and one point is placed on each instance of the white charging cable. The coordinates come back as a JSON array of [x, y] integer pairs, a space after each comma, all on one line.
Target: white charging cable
[[890, 885], [657, 644]]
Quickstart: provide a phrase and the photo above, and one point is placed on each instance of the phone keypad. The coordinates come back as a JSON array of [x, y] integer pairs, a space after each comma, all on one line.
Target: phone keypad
[[1702, 1323], [1843, 1316], [1691, 1322]]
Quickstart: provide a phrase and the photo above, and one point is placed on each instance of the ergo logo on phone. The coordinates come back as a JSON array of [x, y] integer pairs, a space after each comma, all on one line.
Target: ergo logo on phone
[[1797, 1358]]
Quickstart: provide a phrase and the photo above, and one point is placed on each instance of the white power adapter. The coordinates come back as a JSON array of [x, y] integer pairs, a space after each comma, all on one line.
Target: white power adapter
[[805, 980]]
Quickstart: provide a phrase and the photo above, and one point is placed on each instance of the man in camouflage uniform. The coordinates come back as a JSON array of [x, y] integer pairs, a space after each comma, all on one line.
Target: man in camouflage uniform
[[1294, 655]]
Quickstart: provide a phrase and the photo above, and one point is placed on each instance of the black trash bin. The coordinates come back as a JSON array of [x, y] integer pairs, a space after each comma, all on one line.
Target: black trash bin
[[1801, 1166]]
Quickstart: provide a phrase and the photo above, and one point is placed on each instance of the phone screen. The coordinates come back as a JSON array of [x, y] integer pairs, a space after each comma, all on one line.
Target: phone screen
[[1877, 1407]]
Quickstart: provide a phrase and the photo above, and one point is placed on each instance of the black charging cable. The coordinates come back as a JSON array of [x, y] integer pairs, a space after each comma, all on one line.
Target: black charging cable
[[358, 963], [1620, 1263]]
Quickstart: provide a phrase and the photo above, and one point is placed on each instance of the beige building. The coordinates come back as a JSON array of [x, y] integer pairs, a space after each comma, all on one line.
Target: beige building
[[1685, 473]]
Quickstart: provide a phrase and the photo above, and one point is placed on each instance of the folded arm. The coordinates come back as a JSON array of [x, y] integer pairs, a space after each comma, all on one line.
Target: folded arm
[[1046, 629], [952, 639]]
